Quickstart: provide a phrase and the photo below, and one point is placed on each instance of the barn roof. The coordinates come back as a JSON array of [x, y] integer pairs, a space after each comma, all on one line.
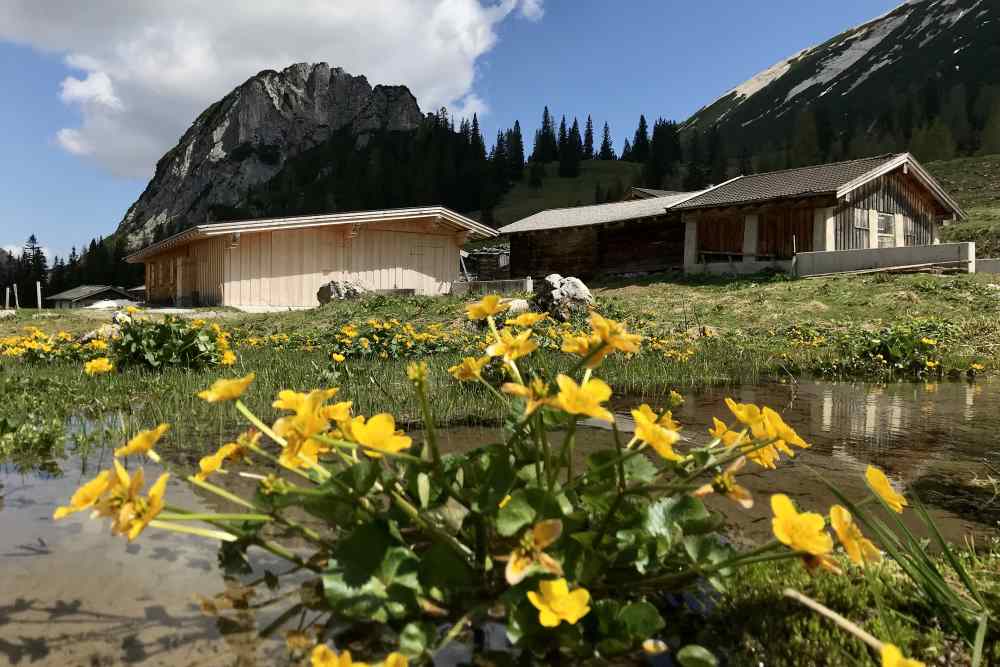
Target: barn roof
[[439, 214], [582, 216], [837, 178], [86, 291], [646, 193]]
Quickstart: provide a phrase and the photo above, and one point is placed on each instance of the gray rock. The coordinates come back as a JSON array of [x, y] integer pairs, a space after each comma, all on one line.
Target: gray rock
[[337, 290], [516, 306], [562, 297], [103, 332], [244, 140]]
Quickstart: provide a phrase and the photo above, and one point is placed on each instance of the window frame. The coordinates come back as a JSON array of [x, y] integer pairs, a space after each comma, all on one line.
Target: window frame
[[891, 234]]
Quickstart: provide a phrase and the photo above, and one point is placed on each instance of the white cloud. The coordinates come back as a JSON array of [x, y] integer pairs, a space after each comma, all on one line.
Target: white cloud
[[144, 70]]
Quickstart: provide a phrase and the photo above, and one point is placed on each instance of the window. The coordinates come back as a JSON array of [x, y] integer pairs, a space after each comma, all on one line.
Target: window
[[860, 219], [886, 230]]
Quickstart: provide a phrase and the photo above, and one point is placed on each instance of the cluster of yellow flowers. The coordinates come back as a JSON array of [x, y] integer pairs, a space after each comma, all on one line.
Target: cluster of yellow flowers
[[117, 495], [36, 345]]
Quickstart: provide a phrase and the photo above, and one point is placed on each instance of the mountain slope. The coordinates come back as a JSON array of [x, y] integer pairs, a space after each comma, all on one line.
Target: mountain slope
[[247, 137], [915, 54]]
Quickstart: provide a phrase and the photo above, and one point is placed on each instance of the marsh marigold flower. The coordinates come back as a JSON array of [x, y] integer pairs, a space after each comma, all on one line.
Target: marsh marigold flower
[[512, 347], [556, 603], [143, 442], [337, 357], [526, 319], [584, 399], [613, 334], [531, 552], [725, 484], [86, 495], [659, 433], [489, 305], [226, 389], [417, 371], [98, 366], [379, 433], [228, 358], [893, 657], [859, 549], [535, 395], [880, 485], [470, 368], [124, 504], [298, 430], [582, 346], [799, 531]]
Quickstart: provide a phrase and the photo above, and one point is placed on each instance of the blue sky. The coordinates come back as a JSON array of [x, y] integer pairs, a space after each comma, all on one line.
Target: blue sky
[[612, 60]]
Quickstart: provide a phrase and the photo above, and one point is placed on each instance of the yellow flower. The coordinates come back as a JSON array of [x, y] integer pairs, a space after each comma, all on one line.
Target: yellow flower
[[648, 429], [487, 306], [893, 657], [379, 433], [233, 451], [859, 548], [98, 366], [470, 368], [931, 364], [928, 341], [395, 660], [526, 319], [349, 330], [339, 358], [129, 511], [132, 310], [532, 552], [726, 485], [299, 429], [226, 390], [512, 347], [879, 484], [86, 495], [801, 532], [503, 503], [143, 442], [535, 395], [323, 656], [613, 334], [98, 345], [584, 399], [765, 457], [666, 420], [556, 603], [228, 358], [767, 425], [417, 371], [976, 367]]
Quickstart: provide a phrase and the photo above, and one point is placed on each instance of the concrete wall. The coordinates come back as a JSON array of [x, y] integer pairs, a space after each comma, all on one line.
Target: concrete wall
[[959, 255], [988, 265], [739, 268]]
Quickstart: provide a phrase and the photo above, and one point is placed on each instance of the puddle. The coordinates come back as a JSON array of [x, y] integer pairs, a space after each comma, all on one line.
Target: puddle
[[72, 594]]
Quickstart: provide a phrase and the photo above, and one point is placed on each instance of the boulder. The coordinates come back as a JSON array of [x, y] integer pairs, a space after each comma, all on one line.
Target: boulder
[[562, 297], [517, 306], [103, 332], [338, 290]]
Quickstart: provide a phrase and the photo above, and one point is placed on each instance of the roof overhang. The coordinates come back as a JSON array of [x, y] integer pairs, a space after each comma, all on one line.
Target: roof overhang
[[438, 214], [916, 170]]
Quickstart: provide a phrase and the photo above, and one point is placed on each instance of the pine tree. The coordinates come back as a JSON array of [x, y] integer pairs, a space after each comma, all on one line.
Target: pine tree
[[571, 152], [515, 153], [626, 152], [660, 163], [805, 145], [640, 142], [563, 136], [989, 139], [696, 177], [588, 139], [607, 151], [546, 146]]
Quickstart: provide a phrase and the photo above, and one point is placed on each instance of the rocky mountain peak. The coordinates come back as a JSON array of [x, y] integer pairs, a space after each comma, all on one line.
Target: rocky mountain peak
[[245, 138]]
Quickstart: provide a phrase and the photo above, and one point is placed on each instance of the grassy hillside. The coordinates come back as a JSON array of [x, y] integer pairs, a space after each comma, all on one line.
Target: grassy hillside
[[975, 182], [524, 200]]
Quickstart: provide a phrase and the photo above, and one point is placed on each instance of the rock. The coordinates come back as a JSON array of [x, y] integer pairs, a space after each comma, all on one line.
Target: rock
[[516, 306], [121, 318], [338, 290], [104, 332], [6, 313], [703, 331], [245, 139], [562, 297]]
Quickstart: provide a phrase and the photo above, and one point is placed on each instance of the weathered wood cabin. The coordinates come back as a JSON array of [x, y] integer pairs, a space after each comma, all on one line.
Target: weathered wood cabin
[[634, 236], [749, 223], [86, 295], [282, 262]]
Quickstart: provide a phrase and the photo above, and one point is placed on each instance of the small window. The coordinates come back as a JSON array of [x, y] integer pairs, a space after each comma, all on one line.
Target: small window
[[860, 219], [886, 230]]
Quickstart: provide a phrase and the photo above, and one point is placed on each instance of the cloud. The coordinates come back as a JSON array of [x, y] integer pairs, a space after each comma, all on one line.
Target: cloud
[[141, 72]]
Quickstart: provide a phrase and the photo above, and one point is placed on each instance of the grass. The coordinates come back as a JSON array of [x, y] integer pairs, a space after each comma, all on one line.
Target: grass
[[556, 192]]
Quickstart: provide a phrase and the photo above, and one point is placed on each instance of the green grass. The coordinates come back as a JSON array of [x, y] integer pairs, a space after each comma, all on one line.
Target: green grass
[[975, 183], [524, 200]]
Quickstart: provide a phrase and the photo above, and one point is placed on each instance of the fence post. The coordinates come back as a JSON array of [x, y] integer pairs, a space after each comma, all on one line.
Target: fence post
[[6, 298], [38, 293], [529, 286], [17, 301]]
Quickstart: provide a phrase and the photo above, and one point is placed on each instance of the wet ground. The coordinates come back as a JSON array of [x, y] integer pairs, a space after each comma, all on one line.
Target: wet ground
[[70, 594]]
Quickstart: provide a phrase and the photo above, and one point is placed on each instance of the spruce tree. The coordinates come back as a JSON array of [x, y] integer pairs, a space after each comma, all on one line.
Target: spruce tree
[[607, 150], [640, 142], [515, 153], [563, 136], [588, 140], [696, 177], [571, 152], [626, 152], [546, 146]]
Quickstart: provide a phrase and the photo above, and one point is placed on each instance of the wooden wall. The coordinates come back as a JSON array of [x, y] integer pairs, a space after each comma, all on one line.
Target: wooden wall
[[776, 229], [720, 232], [637, 246], [287, 268], [895, 192]]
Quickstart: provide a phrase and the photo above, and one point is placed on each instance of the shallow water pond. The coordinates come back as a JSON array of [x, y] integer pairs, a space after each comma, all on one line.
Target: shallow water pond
[[72, 594]]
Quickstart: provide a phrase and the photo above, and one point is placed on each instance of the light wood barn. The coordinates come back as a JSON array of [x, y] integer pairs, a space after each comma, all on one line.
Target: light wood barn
[[282, 262]]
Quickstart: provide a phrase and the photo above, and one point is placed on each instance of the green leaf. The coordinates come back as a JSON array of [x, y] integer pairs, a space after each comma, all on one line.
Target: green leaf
[[693, 655], [361, 553], [442, 568], [640, 620], [515, 515], [416, 639], [424, 489]]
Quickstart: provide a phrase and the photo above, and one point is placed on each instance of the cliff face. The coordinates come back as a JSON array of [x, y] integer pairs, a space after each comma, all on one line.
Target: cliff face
[[245, 138]]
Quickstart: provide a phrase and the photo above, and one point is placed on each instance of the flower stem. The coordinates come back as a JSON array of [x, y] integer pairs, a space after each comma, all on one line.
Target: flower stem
[[193, 530], [839, 620]]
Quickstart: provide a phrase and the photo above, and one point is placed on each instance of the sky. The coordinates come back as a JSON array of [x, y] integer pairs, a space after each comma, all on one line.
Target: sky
[[96, 92]]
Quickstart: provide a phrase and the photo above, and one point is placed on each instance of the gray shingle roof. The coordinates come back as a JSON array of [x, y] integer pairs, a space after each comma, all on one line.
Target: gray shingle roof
[[85, 291], [799, 182], [650, 192], [582, 216]]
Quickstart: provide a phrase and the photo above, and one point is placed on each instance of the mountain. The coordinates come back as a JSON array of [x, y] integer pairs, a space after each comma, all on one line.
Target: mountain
[[879, 85], [252, 134]]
